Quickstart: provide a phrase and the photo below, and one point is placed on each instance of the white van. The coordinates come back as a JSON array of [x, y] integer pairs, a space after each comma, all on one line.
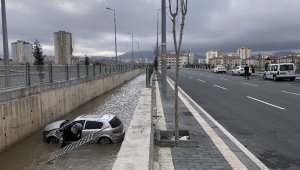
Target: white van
[[280, 71]]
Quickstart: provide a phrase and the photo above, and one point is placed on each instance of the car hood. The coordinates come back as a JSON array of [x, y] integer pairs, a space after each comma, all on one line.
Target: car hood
[[54, 125]]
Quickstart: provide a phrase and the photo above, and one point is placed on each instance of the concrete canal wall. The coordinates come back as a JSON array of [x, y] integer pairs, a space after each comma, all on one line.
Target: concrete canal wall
[[25, 110]]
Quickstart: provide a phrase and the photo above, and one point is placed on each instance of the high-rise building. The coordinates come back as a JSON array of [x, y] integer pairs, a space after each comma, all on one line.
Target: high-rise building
[[244, 52], [63, 47], [22, 52]]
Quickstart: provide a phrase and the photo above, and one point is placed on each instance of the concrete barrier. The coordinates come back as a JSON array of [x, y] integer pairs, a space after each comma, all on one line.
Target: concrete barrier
[[135, 152], [25, 110]]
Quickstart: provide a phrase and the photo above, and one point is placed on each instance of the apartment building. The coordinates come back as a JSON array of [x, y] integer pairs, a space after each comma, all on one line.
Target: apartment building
[[244, 52], [213, 54], [63, 47], [185, 58], [22, 52]]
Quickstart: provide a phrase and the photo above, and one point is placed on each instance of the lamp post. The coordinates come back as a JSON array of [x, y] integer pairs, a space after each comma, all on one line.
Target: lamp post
[[131, 46], [138, 49], [5, 45], [116, 53]]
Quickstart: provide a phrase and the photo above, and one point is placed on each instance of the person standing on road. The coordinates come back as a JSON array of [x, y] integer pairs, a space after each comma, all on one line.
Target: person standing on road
[[246, 71]]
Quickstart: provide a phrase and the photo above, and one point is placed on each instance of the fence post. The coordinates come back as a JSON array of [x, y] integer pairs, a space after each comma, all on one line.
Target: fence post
[[67, 72], [50, 73], [87, 70], [78, 71], [27, 70], [94, 70]]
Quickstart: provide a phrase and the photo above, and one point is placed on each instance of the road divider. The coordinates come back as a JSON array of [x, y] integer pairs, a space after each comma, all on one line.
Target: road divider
[[266, 103]]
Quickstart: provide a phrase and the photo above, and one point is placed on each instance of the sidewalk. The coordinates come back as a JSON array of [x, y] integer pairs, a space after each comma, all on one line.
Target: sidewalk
[[214, 150]]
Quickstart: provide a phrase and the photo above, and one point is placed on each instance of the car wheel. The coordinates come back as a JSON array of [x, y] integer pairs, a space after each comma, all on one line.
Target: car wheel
[[264, 77], [292, 79], [52, 140], [104, 140], [274, 78]]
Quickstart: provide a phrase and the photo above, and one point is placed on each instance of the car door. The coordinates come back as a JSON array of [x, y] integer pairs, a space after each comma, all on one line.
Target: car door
[[268, 73], [91, 127]]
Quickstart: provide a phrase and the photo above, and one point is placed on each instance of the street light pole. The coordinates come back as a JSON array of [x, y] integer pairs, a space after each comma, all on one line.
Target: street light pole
[[131, 46], [116, 53], [5, 45], [138, 44]]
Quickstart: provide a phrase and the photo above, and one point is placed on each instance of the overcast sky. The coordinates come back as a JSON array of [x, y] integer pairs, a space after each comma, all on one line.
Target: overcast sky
[[263, 25]]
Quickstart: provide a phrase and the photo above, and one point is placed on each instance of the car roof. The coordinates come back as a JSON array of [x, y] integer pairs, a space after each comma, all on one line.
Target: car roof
[[97, 117]]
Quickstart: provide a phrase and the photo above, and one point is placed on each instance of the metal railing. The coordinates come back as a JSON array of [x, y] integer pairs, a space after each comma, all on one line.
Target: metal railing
[[28, 75]]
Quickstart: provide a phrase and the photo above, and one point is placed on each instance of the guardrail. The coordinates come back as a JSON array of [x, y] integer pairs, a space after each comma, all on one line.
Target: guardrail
[[28, 75]]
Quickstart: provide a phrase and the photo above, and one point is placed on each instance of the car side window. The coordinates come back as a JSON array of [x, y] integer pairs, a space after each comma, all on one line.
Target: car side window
[[273, 68], [93, 125]]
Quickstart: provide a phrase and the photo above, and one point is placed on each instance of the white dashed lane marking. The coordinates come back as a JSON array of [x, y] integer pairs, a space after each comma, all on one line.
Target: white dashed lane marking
[[290, 93], [249, 84], [201, 80], [266, 103], [221, 87]]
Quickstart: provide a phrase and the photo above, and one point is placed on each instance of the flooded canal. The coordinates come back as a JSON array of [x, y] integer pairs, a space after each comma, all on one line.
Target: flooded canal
[[32, 153]]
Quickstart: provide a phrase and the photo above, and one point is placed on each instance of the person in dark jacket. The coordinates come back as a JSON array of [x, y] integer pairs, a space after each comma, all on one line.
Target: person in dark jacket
[[246, 71]]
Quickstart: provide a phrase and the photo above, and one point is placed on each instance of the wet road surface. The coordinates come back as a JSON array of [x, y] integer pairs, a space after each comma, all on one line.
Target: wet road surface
[[32, 153]]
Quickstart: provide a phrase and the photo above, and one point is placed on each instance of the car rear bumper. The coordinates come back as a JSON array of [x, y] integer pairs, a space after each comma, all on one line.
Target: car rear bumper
[[115, 138]]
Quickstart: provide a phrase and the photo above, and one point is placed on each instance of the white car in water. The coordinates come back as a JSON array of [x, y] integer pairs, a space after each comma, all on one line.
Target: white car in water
[[67, 132], [239, 70]]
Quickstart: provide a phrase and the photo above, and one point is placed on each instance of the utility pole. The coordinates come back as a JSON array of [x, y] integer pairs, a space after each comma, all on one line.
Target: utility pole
[[131, 46], [163, 44], [5, 45]]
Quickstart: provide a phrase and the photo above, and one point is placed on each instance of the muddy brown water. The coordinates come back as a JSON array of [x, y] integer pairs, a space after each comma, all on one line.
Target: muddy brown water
[[32, 153]]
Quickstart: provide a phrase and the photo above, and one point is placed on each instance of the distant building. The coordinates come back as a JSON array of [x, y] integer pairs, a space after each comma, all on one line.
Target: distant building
[[213, 54], [185, 58], [22, 52], [244, 52], [63, 47]]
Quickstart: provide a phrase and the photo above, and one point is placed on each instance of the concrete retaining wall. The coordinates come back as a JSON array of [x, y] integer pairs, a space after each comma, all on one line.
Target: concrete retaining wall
[[25, 110], [135, 152]]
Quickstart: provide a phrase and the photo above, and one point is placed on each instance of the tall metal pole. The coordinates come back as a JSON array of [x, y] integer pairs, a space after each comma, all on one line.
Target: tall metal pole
[[163, 43], [5, 45], [116, 53], [157, 53], [131, 46]]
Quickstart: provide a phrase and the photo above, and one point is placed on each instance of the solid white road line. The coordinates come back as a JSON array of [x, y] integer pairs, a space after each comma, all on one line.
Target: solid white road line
[[201, 80], [221, 87], [232, 138], [231, 158], [290, 93], [249, 84], [266, 103]]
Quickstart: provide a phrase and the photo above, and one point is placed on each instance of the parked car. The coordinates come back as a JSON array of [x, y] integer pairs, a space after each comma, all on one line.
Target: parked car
[[280, 71], [63, 131], [239, 70], [219, 69]]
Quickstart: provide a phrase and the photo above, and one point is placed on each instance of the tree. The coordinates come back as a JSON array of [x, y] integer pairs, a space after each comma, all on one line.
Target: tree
[[182, 10], [38, 53], [86, 61]]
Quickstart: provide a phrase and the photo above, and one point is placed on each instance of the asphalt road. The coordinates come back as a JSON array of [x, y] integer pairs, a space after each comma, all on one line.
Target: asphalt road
[[263, 115]]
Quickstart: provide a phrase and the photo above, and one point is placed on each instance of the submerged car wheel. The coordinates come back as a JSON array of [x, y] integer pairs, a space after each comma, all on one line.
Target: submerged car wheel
[[104, 140], [52, 140]]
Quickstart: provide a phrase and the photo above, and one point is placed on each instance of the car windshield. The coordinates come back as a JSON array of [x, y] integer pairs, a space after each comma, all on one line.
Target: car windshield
[[115, 122], [64, 123], [286, 67]]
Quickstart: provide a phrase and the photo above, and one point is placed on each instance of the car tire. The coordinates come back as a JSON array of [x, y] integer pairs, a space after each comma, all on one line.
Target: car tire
[[104, 140], [292, 79], [274, 78], [52, 140], [264, 77]]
